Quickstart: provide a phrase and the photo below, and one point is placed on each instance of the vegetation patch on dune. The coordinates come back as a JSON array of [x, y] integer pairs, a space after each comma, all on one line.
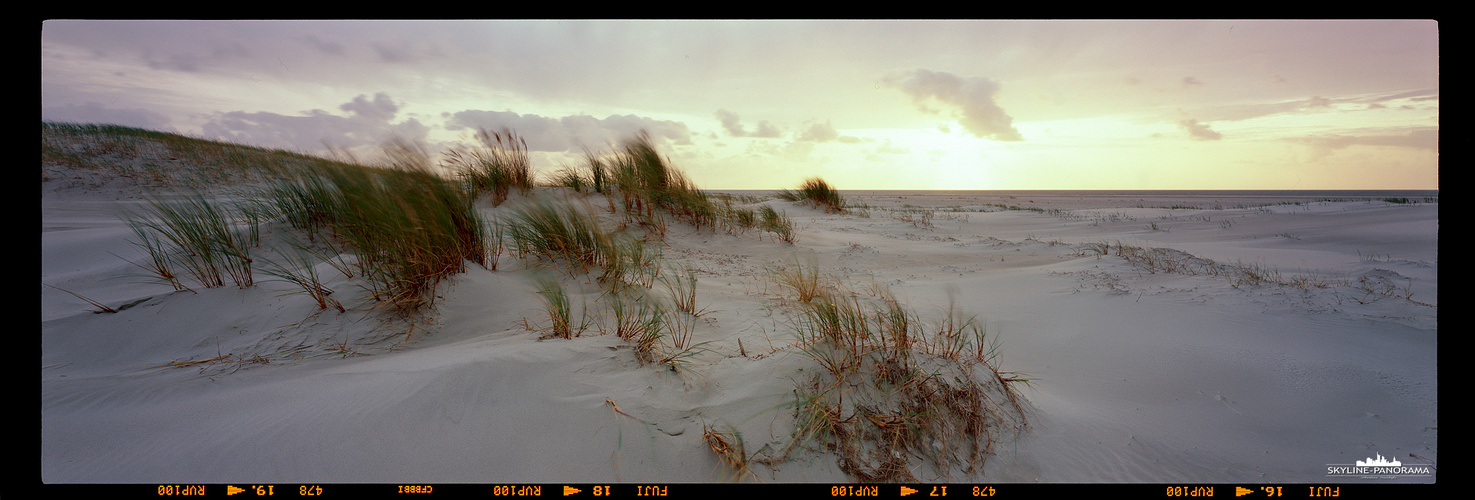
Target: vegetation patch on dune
[[893, 392], [154, 159], [817, 193]]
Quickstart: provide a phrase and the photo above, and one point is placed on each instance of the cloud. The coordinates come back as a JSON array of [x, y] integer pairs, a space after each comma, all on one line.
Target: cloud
[[1199, 131], [886, 149], [404, 51], [789, 151], [570, 133], [322, 45], [1189, 81], [1318, 102], [1420, 138], [819, 132], [797, 151], [766, 130], [194, 59], [1237, 112], [815, 131], [1313, 104], [971, 98], [732, 123], [368, 122], [382, 108]]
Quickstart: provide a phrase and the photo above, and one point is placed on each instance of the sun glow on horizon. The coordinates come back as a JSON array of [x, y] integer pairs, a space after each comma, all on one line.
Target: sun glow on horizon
[[1220, 104]]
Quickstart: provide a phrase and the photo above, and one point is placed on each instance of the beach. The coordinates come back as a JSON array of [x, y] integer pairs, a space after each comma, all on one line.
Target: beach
[[1164, 339]]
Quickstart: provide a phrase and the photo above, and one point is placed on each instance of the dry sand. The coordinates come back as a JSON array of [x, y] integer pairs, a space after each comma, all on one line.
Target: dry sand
[[1136, 376]]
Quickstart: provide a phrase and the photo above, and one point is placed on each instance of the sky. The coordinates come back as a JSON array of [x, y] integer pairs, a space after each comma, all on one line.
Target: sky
[[759, 104]]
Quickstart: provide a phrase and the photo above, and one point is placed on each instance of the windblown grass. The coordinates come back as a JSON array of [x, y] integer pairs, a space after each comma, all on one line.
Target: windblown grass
[[101, 307], [895, 392], [683, 290], [658, 333], [818, 193], [918, 219], [409, 228], [558, 231], [649, 192], [634, 317], [569, 238], [631, 262], [499, 164], [560, 309], [300, 268], [777, 223], [598, 171], [570, 177], [647, 185], [195, 234], [804, 282], [737, 220], [160, 261]]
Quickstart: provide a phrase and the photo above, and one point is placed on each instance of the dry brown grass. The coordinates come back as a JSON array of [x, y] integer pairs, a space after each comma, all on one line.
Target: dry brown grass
[[894, 393], [729, 448]]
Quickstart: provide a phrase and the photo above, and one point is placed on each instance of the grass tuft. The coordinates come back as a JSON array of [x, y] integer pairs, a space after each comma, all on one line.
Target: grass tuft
[[560, 316], [804, 283], [558, 231], [777, 223], [895, 392], [409, 228], [301, 270], [196, 234], [684, 292], [818, 193], [499, 164], [728, 446]]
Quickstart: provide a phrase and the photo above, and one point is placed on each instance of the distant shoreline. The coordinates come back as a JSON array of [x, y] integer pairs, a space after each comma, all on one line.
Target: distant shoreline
[[1101, 199], [1355, 193]]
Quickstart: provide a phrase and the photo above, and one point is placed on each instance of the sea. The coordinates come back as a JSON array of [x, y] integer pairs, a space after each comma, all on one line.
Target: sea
[[1094, 199]]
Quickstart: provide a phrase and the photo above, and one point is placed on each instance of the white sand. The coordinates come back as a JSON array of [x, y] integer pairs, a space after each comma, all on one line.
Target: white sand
[[1137, 377]]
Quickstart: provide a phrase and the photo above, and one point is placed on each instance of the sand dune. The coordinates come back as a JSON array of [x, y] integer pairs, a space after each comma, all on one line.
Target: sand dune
[[1137, 373]]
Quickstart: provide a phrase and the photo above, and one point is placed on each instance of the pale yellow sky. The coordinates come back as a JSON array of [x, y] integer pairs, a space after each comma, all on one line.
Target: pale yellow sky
[[764, 104]]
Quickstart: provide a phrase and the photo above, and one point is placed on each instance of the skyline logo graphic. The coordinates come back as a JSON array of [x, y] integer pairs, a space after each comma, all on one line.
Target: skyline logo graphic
[[1379, 468], [1380, 462]]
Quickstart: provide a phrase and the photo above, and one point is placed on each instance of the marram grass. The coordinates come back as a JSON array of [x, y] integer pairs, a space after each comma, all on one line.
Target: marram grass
[[193, 233], [895, 392], [409, 228], [499, 164], [556, 230], [817, 193], [777, 223], [299, 269]]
